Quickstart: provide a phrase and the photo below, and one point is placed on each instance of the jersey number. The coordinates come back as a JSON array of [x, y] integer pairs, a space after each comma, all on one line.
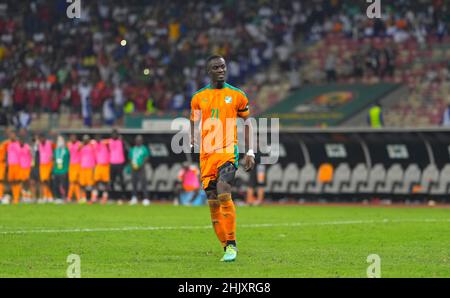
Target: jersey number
[[215, 113]]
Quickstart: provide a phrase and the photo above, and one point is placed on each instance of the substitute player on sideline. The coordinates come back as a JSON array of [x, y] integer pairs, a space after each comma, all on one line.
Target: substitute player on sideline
[[74, 146], [13, 157], [3, 146], [102, 170], [87, 165], [25, 170], [45, 166], [218, 105]]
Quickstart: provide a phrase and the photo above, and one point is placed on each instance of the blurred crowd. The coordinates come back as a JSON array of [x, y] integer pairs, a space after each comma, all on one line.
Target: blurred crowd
[[149, 56]]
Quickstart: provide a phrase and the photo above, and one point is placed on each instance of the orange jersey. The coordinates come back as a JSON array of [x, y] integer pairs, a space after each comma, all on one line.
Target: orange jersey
[[3, 146], [218, 110]]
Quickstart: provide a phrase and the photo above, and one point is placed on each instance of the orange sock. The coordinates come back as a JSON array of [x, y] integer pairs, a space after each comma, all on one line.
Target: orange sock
[[2, 190], [16, 193], [49, 193], [19, 191], [216, 219], [44, 192], [228, 216], [77, 192], [70, 192]]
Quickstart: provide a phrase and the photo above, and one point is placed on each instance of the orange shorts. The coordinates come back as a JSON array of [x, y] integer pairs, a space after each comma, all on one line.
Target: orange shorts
[[87, 177], [209, 165], [13, 172], [74, 173], [45, 172], [2, 171], [25, 174], [101, 173]]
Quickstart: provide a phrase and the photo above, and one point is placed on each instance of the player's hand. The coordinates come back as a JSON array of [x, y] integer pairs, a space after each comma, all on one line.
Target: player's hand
[[249, 163]]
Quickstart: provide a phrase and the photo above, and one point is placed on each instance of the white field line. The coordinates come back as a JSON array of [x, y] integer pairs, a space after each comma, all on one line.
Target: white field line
[[263, 225]]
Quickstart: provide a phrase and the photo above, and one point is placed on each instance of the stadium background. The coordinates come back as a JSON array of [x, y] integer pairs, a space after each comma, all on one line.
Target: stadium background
[[319, 66], [311, 64]]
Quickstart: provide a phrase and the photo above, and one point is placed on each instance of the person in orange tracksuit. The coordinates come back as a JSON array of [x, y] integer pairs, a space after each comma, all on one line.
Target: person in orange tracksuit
[[13, 158], [218, 106], [45, 166], [87, 166], [3, 146], [25, 169], [74, 147], [102, 169]]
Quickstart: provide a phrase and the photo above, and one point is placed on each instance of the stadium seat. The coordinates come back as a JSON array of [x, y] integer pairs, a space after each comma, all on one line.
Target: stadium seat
[[377, 177], [324, 177], [307, 176], [359, 176], [430, 178], [274, 177], [410, 180], [341, 177], [394, 177], [290, 176], [444, 181]]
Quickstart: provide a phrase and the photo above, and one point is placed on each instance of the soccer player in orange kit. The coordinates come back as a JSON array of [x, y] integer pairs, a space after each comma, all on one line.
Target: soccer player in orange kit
[[217, 106]]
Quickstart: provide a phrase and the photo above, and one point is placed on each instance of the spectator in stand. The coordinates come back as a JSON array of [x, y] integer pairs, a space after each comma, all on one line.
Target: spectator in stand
[[22, 120], [375, 116], [330, 68], [446, 117], [86, 108], [109, 114]]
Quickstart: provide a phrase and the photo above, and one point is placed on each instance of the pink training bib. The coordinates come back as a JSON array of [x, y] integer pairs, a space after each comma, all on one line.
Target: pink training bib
[[45, 153], [25, 157], [102, 153], [189, 179], [88, 156], [13, 153], [74, 151], [117, 155]]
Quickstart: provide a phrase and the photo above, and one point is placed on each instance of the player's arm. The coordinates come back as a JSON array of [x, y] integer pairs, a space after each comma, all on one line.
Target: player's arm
[[195, 117], [244, 113]]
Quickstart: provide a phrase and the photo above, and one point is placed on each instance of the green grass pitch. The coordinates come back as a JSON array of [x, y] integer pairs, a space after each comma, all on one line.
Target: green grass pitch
[[175, 241]]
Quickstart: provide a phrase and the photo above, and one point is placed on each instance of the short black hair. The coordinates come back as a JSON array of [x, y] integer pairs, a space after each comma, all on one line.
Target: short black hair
[[212, 57]]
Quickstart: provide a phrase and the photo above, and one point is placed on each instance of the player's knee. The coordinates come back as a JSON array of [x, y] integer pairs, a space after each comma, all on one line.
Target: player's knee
[[211, 195], [223, 187]]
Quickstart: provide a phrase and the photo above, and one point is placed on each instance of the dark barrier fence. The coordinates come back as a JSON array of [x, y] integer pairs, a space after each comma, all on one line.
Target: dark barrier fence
[[397, 164]]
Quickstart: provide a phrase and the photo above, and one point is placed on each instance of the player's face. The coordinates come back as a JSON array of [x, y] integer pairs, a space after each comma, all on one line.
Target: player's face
[[217, 70]]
